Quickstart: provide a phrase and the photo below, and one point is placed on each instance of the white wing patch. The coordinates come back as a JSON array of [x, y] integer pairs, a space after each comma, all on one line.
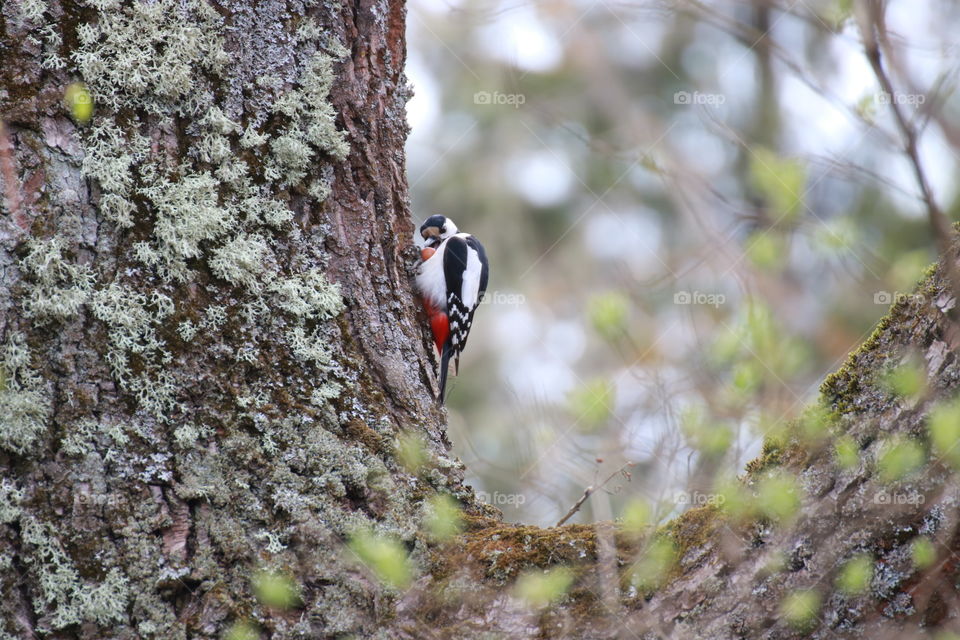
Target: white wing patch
[[470, 294]]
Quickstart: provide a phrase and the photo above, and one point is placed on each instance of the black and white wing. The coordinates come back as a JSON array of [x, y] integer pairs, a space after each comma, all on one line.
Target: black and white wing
[[474, 283], [466, 272]]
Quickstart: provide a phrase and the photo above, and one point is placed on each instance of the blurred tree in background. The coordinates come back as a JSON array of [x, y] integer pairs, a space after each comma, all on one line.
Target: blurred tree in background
[[694, 211]]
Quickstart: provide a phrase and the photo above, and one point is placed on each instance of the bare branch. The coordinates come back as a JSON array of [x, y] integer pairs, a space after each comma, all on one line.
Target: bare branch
[[591, 489], [873, 29], [872, 25]]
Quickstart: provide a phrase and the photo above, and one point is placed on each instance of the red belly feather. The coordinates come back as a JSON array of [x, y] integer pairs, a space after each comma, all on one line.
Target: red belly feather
[[439, 324]]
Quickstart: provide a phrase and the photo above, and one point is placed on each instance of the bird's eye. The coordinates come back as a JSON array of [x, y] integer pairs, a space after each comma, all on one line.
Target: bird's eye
[[444, 229]]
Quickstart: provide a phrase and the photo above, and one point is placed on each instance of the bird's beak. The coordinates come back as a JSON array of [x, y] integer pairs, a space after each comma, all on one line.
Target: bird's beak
[[431, 234]]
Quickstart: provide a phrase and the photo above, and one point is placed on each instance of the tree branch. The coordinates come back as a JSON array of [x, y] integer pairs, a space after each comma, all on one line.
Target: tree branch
[[590, 490], [872, 25]]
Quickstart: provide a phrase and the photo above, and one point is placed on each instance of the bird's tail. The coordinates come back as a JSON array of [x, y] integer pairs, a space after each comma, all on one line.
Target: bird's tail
[[444, 368]]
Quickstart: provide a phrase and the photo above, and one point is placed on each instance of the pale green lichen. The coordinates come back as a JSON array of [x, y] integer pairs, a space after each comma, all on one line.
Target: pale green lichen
[[31, 10], [309, 30], [147, 55], [62, 594], [187, 435], [308, 295], [254, 310], [109, 157], [231, 171], [214, 145], [83, 437], [322, 394], [133, 320], [214, 317], [10, 497], [272, 212], [52, 41], [247, 353], [309, 346], [188, 214], [241, 261], [24, 404], [60, 287], [311, 125], [199, 214], [289, 158], [256, 401], [252, 138], [321, 189], [274, 545], [187, 330]]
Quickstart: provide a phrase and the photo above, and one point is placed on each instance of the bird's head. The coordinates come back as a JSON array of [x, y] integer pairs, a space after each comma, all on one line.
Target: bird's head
[[437, 229]]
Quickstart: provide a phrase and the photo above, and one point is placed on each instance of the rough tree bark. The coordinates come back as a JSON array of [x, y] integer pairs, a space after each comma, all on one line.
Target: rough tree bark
[[211, 365], [208, 345]]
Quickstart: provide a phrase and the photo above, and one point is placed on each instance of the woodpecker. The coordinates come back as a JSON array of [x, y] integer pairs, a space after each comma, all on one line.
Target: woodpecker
[[452, 280]]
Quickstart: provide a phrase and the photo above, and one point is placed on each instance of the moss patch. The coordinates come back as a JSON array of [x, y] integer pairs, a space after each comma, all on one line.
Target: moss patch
[[691, 530], [905, 315], [504, 550]]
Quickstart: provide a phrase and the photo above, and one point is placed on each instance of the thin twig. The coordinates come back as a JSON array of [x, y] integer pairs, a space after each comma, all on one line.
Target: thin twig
[[576, 505], [590, 490], [876, 45], [872, 37]]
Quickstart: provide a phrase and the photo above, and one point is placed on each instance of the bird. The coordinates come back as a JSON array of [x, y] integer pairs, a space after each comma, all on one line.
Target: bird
[[452, 279]]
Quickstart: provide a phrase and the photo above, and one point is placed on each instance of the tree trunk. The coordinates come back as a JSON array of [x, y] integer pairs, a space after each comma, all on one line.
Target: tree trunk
[[210, 345]]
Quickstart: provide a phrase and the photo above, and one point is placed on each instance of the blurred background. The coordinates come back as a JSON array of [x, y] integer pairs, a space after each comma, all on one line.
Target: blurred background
[[693, 211]]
